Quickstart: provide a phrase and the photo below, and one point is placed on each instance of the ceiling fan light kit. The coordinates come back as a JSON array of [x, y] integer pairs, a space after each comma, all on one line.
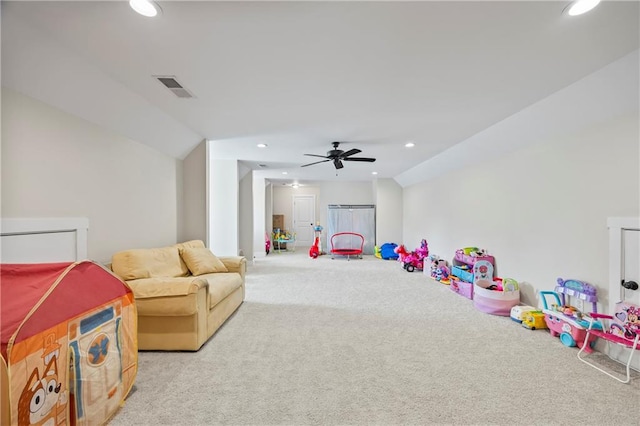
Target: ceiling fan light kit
[[338, 156]]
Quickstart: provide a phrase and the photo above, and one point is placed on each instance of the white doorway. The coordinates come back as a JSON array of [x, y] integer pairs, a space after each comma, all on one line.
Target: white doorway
[[624, 252], [304, 219]]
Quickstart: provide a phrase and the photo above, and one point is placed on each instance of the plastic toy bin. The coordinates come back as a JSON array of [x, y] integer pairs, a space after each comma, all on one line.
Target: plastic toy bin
[[470, 260], [463, 274], [495, 302], [462, 288]]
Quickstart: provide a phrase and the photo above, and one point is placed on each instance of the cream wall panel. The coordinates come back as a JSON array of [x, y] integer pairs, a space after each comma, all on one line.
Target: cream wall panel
[[261, 198], [283, 201], [541, 211], [246, 212], [57, 165], [193, 204], [388, 211], [223, 203], [354, 192]]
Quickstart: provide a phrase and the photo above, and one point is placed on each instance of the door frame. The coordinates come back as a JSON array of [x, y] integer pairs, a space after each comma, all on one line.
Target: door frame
[[617, 226]]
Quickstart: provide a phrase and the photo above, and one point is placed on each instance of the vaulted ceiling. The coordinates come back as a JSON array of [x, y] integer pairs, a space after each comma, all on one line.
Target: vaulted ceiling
[[297, 76]]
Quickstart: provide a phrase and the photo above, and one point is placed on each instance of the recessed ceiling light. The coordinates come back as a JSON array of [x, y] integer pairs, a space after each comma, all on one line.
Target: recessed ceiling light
[[409, 144], [374, 173], [262, 145], [285, 173], [295, 185], [579, 7], [146, 8]]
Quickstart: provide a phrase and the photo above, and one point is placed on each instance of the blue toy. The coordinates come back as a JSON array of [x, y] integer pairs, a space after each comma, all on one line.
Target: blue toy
[[387, 251]]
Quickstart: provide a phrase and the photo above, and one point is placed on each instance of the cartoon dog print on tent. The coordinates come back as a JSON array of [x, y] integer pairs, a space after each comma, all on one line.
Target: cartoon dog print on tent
[[68, 343]]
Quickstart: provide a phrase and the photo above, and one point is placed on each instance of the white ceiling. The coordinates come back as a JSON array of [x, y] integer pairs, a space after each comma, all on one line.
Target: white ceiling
[[299, 75]]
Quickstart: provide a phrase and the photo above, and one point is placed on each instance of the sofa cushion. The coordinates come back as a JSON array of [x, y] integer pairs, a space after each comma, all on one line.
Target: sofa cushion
[[165, 286], [190, 244], [201, 261], [221, 284], [148, 263]]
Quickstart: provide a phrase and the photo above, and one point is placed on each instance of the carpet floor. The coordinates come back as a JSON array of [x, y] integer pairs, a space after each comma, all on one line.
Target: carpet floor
[[363, 342]]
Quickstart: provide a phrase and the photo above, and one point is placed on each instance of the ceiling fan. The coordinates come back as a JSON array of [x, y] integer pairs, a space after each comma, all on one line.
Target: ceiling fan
[[338, 156]]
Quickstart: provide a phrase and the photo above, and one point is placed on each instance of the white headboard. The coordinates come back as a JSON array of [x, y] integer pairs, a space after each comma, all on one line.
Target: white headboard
[[43, 240]]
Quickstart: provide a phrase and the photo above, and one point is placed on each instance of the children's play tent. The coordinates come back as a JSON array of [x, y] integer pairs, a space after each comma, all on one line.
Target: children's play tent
[[69, 349]]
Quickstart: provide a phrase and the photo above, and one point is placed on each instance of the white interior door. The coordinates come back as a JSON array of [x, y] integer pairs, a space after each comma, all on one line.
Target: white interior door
[[624, 238], [304, 219]]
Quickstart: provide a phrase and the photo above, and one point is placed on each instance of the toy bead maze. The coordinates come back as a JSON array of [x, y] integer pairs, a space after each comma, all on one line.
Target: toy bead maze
[[69, 348], [347, 244]]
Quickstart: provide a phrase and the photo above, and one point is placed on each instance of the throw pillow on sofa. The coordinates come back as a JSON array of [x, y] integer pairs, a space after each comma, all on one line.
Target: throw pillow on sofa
[[200, 260], [148, 263]]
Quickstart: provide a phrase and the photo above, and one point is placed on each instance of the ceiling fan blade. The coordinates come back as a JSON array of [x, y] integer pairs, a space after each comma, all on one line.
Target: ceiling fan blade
[[337, 163], [317, 162], [350, 152], [314, 155], [363, 159]]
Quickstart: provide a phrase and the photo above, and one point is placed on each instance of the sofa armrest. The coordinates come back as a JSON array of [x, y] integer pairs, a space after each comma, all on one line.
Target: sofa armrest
[[235, 264]]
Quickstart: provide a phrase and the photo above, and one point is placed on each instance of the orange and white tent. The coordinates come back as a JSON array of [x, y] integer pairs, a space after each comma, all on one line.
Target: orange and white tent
[[68, 343]]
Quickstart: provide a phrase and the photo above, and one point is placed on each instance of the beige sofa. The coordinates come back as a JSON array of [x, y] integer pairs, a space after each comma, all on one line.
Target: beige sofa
[[183, 293]]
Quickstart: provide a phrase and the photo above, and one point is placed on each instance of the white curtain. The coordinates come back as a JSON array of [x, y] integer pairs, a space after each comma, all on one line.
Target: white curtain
[[360, 219]]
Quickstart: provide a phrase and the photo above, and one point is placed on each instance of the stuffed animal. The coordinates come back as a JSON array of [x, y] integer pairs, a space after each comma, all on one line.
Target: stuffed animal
[[388, 251]]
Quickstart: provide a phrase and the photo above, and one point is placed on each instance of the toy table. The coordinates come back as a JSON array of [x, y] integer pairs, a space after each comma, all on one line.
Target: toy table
[[277, 243]]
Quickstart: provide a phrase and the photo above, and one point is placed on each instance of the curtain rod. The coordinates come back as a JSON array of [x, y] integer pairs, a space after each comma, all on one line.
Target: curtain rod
[[351, 206]]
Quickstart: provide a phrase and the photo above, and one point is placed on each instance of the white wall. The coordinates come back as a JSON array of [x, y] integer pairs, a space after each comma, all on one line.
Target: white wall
[[261, 193], [57, 165], [222, 206], [283, 202], [388, 201], [541, 208], [193, 196], [342, 193], [268, 207], [541, 211], [245, 228], [327, 193]]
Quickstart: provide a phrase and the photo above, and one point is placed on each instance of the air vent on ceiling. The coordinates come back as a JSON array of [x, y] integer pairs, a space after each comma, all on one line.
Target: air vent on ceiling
[[170, 82]]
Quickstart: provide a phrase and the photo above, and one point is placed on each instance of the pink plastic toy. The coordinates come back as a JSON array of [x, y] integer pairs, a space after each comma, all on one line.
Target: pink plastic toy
[[495, 296], [402, 253], [415, 259], [566, 321], [623, 330]]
